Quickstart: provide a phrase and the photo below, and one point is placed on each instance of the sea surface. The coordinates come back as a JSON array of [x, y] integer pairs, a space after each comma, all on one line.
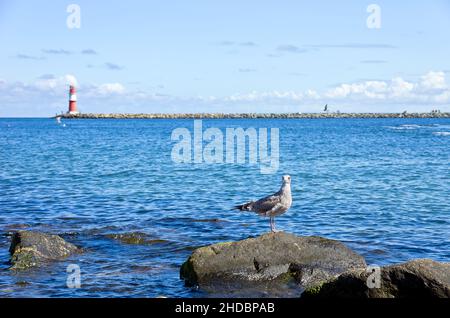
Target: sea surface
[[381, 186]]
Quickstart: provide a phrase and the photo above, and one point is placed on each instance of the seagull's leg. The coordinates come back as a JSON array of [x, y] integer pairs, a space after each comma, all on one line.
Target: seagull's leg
[[272, 225]]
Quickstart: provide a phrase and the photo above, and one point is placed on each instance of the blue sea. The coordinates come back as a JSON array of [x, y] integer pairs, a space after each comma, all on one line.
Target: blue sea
[[381, 186]]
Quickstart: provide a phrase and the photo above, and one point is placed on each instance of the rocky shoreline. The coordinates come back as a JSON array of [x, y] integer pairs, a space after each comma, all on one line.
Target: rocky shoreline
[[420, 278], [323, 268], [317, 267], [256, 115], [273, 256]]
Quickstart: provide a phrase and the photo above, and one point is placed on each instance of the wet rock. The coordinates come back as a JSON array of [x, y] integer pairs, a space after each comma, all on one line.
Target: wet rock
[[272, 256], [208, 220], [414, 279], [16, 226], [30, 249], [141, 268], [135, 238]]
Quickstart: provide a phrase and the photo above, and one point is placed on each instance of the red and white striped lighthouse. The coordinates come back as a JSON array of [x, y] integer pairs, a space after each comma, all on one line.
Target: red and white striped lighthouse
[[72, 100]]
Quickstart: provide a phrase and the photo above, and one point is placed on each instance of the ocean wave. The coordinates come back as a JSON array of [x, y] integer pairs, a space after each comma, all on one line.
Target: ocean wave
[[441, 126], [415, 127], [411, 126], [442, 133], [404, 127]]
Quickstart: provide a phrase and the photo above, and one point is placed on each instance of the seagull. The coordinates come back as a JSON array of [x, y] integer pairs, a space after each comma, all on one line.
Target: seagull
[[272, 205]]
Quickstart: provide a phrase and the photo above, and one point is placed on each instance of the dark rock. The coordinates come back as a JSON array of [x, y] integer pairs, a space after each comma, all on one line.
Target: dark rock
[[272, 256], [129, 238], [15, 227], [207, 220], [29, 249], [414, 279], [135, 238]]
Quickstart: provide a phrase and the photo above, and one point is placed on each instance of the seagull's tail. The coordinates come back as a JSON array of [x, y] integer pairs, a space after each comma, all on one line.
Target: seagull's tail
[[244, 207]]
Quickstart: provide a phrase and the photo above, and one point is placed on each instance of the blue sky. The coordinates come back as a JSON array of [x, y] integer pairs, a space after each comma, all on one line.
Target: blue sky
[[224, 56]]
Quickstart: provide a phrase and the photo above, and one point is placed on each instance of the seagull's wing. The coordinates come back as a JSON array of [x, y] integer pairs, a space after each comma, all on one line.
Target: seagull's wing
[[266, 204]]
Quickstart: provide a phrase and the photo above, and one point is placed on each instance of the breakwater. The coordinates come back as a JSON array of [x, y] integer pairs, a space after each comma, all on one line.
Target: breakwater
[[255, 115]]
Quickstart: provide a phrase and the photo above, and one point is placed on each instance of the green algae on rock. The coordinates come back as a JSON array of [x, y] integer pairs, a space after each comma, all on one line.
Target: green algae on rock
[[30, 249], [135, 238], [421, 278], [272, 256]]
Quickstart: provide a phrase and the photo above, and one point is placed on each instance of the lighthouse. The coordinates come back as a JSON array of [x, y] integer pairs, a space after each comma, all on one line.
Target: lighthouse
[[73, 101]]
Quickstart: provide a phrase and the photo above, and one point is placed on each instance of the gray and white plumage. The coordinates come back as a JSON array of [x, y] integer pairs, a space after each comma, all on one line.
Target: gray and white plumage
[[272, 205]]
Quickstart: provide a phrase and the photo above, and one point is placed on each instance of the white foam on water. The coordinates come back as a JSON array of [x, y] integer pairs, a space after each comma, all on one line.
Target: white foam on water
[[414, 127], [442, 126], [403, 127], [442, 133], [411, 126]]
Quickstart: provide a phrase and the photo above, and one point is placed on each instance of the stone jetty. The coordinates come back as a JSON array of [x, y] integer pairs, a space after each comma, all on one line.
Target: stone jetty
[[433, 114]]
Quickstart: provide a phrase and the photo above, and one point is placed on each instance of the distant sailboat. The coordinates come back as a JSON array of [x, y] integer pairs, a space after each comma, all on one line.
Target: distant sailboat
[[58, 120]]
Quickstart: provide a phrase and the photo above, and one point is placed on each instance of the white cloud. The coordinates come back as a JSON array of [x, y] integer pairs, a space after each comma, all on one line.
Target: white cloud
[[50, 93], [443, 97], [52, 85], [55, 84], [71, 80], [109, 89], [400, 88], [431, 88], [433, 80], [310, 93], [255, 96], [427, 92]]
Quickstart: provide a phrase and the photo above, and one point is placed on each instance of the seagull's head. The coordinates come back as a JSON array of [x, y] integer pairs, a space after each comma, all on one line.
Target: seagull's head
[[286, 179]]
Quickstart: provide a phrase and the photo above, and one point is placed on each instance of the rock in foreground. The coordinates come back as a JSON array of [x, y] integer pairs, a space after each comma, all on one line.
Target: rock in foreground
[[414, 279], [308, 260], [29, 249]]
